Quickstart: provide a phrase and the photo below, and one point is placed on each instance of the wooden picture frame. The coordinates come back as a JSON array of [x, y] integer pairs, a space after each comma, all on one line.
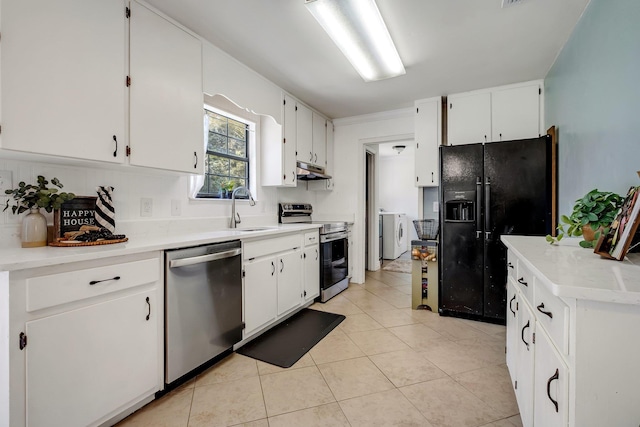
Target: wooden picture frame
[[615, 243], [74, 214]]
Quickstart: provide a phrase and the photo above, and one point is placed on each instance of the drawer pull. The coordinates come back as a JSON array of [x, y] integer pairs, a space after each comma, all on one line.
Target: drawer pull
[[149, 313], [95, 282], [510, 307], [281, 265], [553, 377], [510, 265], [522, 335], [540, 309], [273, 268], [522, 281]]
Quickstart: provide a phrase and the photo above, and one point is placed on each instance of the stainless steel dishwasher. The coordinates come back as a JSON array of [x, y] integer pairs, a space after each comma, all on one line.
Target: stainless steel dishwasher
[[203, 305]]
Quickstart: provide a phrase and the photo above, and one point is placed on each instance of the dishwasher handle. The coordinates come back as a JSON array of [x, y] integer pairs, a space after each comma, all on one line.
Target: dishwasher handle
[[182, 262]]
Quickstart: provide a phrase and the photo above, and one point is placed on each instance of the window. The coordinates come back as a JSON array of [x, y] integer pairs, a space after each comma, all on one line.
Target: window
[[227, 156]]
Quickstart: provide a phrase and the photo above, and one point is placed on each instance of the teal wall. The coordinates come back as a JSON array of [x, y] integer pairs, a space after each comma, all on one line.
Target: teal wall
[[592, 96]]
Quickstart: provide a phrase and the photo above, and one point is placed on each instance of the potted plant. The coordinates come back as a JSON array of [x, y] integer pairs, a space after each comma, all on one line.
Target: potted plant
[[31, 198], [591, 215]]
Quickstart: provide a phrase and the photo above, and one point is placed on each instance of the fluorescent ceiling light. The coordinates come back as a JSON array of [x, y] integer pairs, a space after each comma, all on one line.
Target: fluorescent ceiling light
[[358, 29]]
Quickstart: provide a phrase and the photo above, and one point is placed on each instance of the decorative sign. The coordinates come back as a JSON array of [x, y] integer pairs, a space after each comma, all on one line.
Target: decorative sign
[[74, 214]]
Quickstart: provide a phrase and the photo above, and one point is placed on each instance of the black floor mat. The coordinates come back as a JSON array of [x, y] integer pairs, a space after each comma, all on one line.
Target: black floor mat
[[286, 343]]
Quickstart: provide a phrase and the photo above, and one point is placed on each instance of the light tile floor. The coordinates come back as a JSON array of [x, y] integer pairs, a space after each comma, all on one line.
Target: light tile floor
[[384, 365]]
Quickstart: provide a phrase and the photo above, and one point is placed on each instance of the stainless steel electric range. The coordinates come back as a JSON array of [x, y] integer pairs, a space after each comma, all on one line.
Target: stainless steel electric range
[[334, 248]]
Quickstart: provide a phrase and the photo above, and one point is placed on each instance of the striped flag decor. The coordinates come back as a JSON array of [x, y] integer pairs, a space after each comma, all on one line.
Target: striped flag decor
[[105, 213]]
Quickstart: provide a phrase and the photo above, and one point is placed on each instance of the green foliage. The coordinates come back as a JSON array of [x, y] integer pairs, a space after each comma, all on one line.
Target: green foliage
[[28, 196], [597, 209]]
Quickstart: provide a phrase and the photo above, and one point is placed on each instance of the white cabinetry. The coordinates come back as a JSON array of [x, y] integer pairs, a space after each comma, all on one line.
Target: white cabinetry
[[273, 277], [63, 78], [469, 118], [496, 114], [92, 345], [428, 136], [304, 133], [311, 266], [524, 364], [319, 140], [278, 154], [166, 128], [551, 386]]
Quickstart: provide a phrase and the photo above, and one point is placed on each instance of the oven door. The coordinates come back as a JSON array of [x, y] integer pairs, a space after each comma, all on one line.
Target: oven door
[[335, 264]]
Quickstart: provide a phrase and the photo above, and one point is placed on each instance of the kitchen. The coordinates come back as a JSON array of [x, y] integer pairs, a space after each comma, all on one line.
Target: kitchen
[[602, 119]]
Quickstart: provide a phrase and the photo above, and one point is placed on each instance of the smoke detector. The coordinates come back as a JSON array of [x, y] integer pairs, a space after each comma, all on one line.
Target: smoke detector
[[507, 3]]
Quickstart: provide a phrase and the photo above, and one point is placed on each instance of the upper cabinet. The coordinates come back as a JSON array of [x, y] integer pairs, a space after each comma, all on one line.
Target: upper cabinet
[[166, 128], [278, 147], [319, 140], [496, 114], [63, 78], [304, 133], [469, 118], [65, 84], [428, 136]]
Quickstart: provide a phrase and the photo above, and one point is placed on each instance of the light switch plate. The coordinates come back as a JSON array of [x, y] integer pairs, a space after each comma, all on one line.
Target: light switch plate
[[6, 181], [146, 207]]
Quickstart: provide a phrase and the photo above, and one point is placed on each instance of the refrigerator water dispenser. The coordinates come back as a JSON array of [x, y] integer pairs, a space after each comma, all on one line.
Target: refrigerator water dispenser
[[460, 206]]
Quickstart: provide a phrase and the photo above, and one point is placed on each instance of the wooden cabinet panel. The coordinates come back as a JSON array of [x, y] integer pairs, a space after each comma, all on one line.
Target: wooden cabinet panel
[[63, 78], [166, 99], [515, 113], [260, 294], [469, 118], [289, 281], [304, 133], [427, 137], [319, 140], [311, 272], [551, 386], [525, 355], [85, 363]]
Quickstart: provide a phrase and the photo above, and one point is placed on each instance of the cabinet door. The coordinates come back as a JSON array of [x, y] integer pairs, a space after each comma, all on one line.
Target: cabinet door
[[167, 107], [525, 363], [289, 142], [84, 364], [427, 135], [319, 140], [311, 272], [469, 118], [289, 281], [63, 78], [304, 134], [513, 303], [260, 294], [551, 385], [515, 113]]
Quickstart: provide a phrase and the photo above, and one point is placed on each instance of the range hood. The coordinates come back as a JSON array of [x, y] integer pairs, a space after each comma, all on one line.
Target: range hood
[[309, 172]]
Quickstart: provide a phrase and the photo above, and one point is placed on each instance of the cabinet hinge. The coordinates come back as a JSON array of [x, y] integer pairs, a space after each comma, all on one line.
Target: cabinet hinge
[[296, 108], [539, 91], [128, 151], [244, 325], [417, 179], [534, 337], [417, 110], [23, 340], [127, 12], [304, 255], [450, 106], [243, 273], [305, 293], [127, 81], [284, 140], [284, 102], [417, 145], [516, 385], [0, 129]]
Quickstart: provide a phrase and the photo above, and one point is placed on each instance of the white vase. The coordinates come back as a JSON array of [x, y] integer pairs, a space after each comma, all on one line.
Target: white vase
[[34, 229]]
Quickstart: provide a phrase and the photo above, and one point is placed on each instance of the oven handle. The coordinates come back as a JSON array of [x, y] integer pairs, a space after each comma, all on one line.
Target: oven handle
[[325, 238], [182, 262]]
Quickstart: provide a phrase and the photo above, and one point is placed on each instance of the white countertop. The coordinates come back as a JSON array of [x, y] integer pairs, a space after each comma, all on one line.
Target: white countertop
[[20, 259], [571, 271]]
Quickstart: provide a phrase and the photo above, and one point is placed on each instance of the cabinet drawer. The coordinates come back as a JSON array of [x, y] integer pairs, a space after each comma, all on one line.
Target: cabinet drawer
[[524, 281], [512, 265], [78, 284], [311, 238], [271, 246], [553, 314]]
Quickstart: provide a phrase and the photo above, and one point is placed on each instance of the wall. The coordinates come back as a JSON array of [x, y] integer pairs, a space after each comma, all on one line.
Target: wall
[[347, 199], [398, 192], [592, 95]]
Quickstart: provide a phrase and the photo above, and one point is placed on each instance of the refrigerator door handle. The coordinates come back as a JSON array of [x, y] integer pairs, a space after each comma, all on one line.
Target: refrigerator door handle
[[487, 208], [478, 207]]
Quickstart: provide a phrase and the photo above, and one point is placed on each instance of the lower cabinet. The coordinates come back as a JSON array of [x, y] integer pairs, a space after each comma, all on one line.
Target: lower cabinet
[[551, 386], [525, 358], [85, 341], [87, 362], [279, 277]]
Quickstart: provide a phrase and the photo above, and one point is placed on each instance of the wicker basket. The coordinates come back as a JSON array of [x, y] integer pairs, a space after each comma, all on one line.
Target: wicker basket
[[427, 229]]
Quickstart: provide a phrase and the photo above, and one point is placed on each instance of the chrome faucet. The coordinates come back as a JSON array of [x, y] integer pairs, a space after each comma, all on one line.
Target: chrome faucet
[[235, 217]]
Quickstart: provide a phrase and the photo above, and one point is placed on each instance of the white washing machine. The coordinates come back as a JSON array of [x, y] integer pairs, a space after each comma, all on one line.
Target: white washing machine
[[394, 234]]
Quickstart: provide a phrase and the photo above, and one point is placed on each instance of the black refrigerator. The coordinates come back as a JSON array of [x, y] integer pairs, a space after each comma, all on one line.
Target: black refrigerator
[[487, 190]]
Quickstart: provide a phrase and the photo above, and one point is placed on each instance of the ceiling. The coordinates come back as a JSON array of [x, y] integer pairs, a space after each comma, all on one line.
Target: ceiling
[[447, 46]]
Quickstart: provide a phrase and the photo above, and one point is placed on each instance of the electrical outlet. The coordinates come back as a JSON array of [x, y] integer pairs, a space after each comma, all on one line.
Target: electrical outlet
[[146, 207], [6, 181], [436, 207], [176, 208]]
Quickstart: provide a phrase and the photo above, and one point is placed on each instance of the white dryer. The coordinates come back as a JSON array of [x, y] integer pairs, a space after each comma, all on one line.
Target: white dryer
[[394, 234]]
